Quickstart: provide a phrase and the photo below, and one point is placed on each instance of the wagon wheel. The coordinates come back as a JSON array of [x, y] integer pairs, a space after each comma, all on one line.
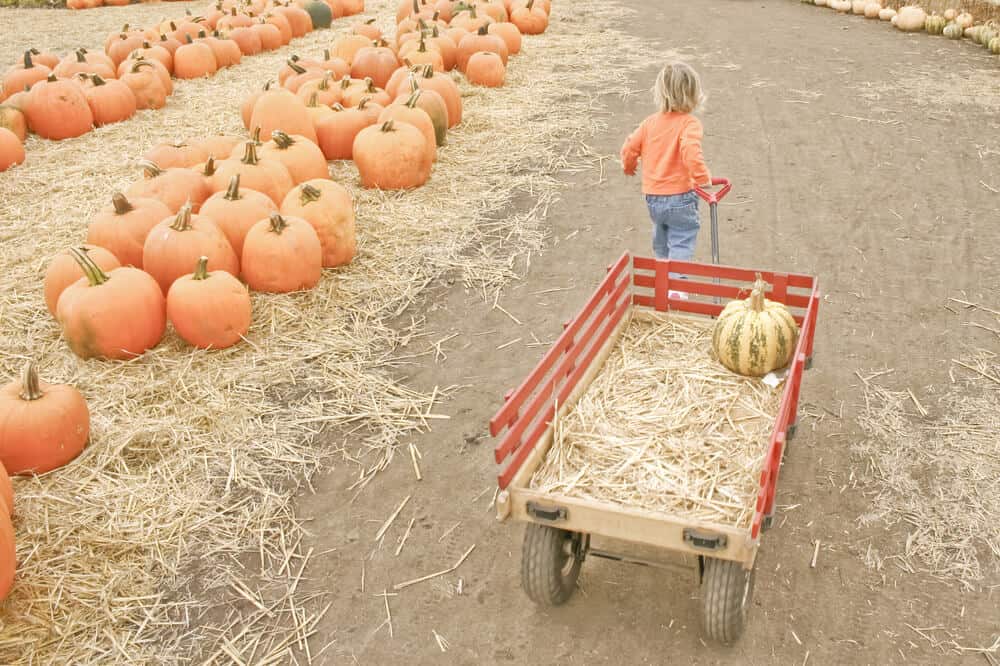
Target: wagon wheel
[[726, 590], [550, 563]]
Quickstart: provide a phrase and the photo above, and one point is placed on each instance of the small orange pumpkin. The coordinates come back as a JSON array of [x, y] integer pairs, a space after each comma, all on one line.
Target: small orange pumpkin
[[236, 210], [485, 68], [324, 91], [174, 186], [176, 243], [170, 154], [480, 41], [209, 309], [42, 426], [80, 62], [194, 60], [122, 227], [392, 156], [64, 270], [146, 85], [509, 33], [270, 36], [376, 62], [267, 176], [328, 207], [218, 146], [302, 157], [367, 29], [91, 312], [530, 19], [11, 149], [26, 74], [247, 39], [13, 120], [281, 109], [347, 47], [282, 254], [110, 101], [409, 112], [336, 133], [444, 86]]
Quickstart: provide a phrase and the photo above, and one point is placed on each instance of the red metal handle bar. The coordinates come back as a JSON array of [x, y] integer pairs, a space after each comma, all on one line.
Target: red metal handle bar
[[717, 196]]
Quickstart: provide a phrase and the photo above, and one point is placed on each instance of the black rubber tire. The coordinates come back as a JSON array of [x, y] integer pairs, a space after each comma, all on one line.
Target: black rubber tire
[[549, 568], [727, 592]]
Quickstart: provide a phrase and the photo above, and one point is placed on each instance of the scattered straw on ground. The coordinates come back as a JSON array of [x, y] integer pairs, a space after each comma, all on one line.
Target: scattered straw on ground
[[173, 538], [665, 427], [939, 475]]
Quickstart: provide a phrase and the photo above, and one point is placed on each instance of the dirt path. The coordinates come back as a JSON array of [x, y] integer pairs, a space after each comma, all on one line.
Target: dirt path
[[842, 167]]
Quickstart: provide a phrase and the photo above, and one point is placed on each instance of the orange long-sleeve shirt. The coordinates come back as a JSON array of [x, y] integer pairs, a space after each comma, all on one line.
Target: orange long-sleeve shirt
[[669, 145]]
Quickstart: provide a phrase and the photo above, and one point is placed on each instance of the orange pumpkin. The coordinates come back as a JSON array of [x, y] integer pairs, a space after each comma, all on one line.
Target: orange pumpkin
[[338, 67], [509, 33], [172, 154], [445, 87], [80, 62], [227, 52], [302, 157], [247, 39], [6, 492], [301, 75], [346, 47], [91, 312], [194, 60], [270, 36], [146, 85], [367, 29], [282, 24], [110, 101], [123, 46], [530, 19], [64, 270], [480, 41], [58, 109], [12, 119], [174, 186], [246, 106], [122, 227], [209, 309], [401, 78], [170, 45], [392, 156], [297, 18], [485, 68], [328, 207], [317, 112], [236, 210], [419, 54], [267, 176], [431, 102], [409, 112], [336, 133], [11, 149], [42, 426], [233, 20], [470, 19], [324, 91], [282, 254], [281, 109], [48, 59], [150, 51], [158, 67], [26, 74], [374, 62], [216, 146], [176, 243], [8, 549], [355, 91]]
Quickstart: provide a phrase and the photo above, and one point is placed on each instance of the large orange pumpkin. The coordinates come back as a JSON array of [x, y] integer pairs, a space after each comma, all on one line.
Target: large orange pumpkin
[[281, 109], [485, 68], [392, 156], [64, 270], [174, 186], [375, 62], [409, 112], [93, 309], [236, 210], [42, 426], [11, 149], [328, 207], [302, 157], [176, 243], [337, 132], [282, 254], [122, 227], [26, 74], [267, 176], [194, 60], [110, 101], [209, 309], [58, 109]]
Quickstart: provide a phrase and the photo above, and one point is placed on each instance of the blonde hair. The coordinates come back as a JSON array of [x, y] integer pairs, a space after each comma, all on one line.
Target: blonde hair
[[678, 88]]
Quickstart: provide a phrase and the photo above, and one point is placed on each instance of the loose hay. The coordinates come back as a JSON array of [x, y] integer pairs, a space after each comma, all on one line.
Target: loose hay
[[173, 538], [665, 427], [938, 478]]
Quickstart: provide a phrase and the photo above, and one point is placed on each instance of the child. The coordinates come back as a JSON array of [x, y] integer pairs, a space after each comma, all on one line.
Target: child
[[669, 145]]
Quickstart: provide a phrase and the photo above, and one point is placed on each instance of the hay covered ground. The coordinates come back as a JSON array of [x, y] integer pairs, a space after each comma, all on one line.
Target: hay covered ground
[[195, 456]]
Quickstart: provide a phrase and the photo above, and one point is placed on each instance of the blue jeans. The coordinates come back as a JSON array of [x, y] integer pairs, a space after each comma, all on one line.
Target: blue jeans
[[675, 225]]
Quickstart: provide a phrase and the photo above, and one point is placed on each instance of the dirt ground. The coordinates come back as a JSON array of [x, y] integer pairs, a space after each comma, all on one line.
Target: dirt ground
[[847, 163]]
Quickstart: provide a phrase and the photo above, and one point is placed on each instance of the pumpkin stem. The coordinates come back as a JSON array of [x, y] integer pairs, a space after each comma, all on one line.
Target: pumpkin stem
[[413, 99], [183, 220], [340, 107], [428, 71], [139, 64], [416, 7], [150, 169], [531, 3], [278, 223], [757, 295], [201, 270], [370, 21], [363, 103], [250, 154], [233, 191], [387, 126], [95, 276], [296, 68], [312, 103], [483, 30], [309, 194], [28, 64], [370, 85], [282, 140], [30, 388], [324, 84], [121, 204], [81, 55], [97, 80], [423, 45], [345, 82], [209, 169]]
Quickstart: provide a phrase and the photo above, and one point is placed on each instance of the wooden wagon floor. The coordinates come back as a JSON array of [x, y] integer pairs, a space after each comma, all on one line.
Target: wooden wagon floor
[[665, 427]]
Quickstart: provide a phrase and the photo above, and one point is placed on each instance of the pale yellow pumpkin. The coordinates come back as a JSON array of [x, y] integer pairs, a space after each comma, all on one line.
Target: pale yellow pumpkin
[[752, 337]]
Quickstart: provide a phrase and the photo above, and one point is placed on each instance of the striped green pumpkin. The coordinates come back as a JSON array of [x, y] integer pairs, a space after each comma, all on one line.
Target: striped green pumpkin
[[752, 337]]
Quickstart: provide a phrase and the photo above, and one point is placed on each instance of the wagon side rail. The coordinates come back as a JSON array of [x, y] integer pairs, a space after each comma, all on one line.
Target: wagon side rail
[[529, 409]]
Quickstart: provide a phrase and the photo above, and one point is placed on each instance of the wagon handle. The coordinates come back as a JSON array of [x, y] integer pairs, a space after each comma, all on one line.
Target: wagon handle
[[718, 195]]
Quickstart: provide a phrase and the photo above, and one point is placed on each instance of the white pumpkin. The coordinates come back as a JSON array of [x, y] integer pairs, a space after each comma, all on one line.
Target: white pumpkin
[[887, 14], [911, 19], [872, 9], [964, 19], [844, 6], [820, 3], [858, 7], [950, 14]]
